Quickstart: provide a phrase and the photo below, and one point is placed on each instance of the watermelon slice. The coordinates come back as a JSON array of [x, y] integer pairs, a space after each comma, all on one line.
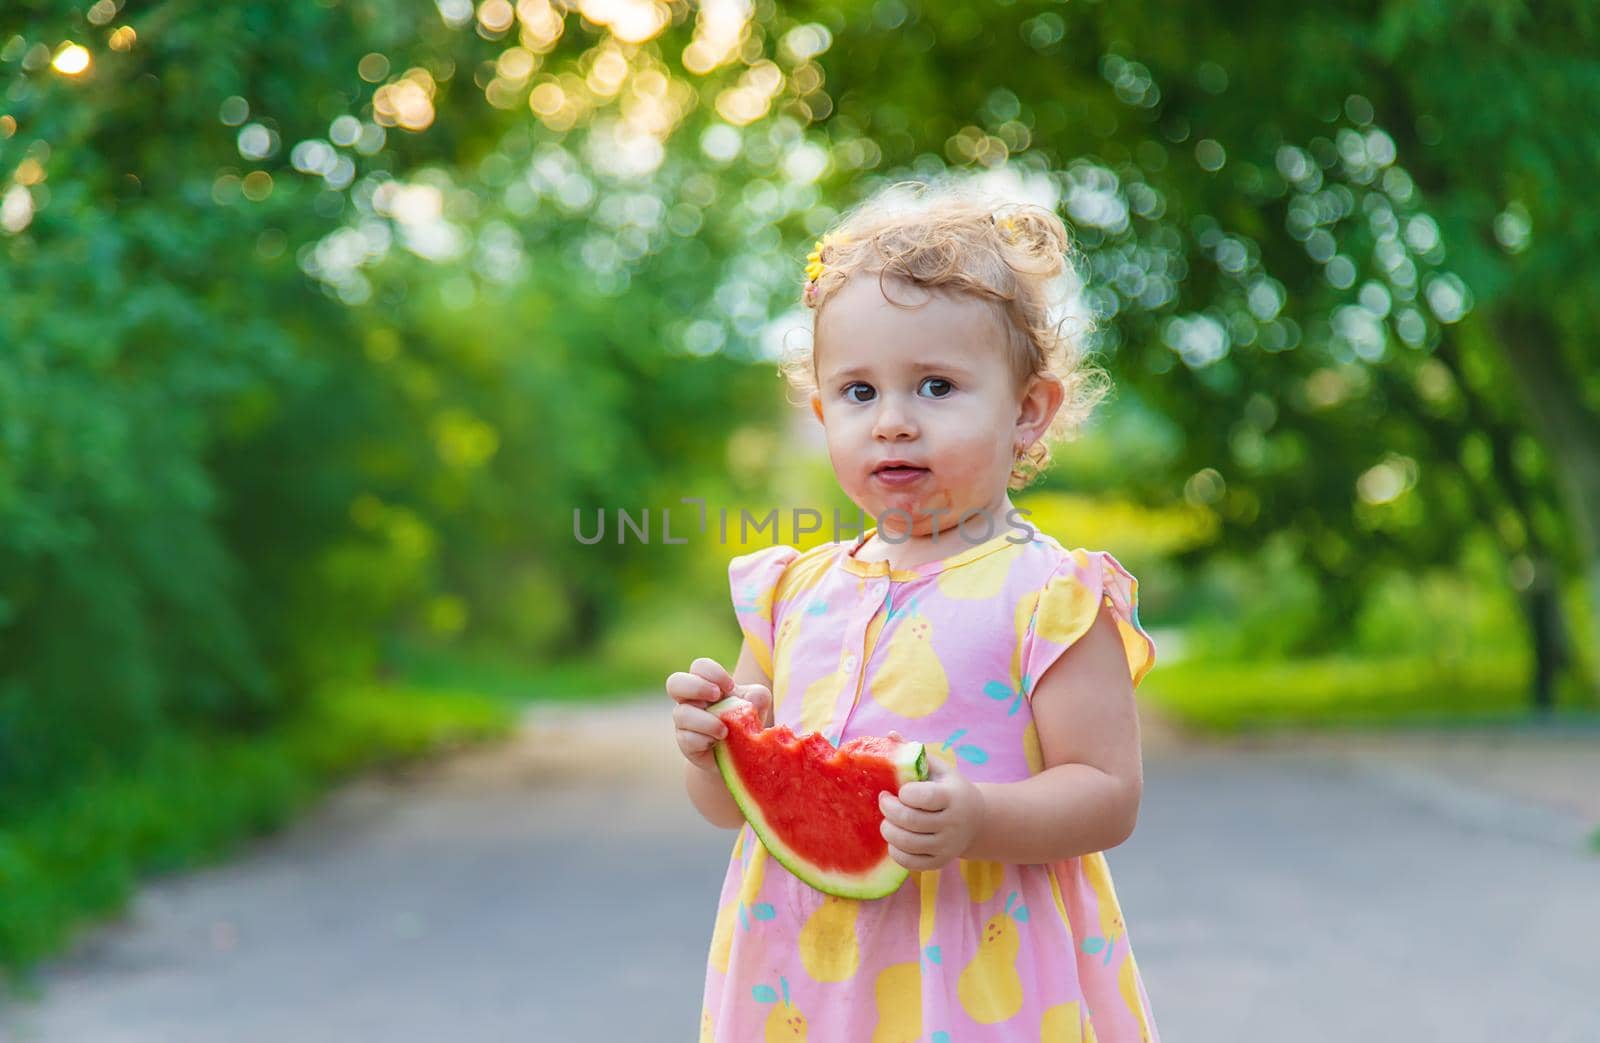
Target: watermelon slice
[[815, 807]]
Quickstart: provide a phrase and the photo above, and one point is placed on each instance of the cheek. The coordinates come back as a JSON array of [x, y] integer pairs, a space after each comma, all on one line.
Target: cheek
[[842, 440], [845, 454], [973, 451]]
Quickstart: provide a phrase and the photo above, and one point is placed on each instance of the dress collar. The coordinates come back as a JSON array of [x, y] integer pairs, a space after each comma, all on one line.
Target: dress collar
[[850, 563]]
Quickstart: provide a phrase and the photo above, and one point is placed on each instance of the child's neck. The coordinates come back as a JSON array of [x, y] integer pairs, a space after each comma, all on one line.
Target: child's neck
[[923, 545]]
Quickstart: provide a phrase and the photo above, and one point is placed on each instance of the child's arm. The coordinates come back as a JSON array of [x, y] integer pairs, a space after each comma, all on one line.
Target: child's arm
[[1085, 800], [1087, 797], [705, 682]]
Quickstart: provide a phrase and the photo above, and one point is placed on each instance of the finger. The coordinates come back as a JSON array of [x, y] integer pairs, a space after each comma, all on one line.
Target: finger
[[714, 672], [691, 718], [915, 820], [926, 796], [914, 862], [694, 743], [689, 688], [907, 841], [759, 695], [765, 703]]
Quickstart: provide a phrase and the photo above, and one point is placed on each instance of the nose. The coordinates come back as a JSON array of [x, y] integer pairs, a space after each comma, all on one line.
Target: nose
[[893, 420]]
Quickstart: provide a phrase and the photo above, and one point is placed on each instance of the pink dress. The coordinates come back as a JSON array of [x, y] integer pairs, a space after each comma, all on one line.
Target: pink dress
[[945, 653]]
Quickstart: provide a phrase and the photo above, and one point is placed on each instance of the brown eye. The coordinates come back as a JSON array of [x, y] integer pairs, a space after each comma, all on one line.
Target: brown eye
[[850, 388], [941, 387]]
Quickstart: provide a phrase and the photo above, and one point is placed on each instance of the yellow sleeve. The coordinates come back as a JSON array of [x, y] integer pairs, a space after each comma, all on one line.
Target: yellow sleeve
[[1068, 606], [753, 581]]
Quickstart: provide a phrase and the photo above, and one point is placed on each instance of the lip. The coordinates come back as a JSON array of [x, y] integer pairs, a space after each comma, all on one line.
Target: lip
[[899, 472]]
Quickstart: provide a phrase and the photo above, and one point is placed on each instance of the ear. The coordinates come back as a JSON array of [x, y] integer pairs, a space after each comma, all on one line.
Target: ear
[[1038, 405], [816, 406]]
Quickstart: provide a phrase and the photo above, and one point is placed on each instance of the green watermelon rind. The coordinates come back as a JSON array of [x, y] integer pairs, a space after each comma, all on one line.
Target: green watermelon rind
[[879, 882]]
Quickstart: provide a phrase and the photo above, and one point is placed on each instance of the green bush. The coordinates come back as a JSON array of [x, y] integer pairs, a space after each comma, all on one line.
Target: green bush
[[1243, 608], [1268, 605], [1241, 696], [633, 658]]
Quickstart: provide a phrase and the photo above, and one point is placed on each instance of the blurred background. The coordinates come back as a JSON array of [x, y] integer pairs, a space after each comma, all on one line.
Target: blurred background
[[320, 322]]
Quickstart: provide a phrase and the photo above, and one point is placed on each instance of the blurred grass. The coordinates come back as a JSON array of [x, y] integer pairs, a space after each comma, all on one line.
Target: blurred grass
[[510, 681], [80, 852], [1333, 692], [634, 659]]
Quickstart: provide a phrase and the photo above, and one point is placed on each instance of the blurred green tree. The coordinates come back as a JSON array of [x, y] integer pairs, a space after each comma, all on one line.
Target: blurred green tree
[[1304, 258], [227, 478], [322, 318]]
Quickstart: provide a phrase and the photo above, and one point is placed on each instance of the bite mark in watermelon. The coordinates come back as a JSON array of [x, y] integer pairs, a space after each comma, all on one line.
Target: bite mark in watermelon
[[815, 807]]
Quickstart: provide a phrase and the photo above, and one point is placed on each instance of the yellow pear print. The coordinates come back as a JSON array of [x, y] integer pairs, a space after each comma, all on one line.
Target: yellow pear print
[[1062, 1023], [819, 702], [707, 1035], [1031, 750], [989, 987], [722, 936], [928, 892], [898, 992], [979, 579], [1024, 615], [1098, 874], [749, 887], [1112, 928], [1067, 608], [911, 681], [1021, 621], [816, 703], [1055, 894], [783, 643], [751, 599], [953, 751], [785, 1024], [1127, 985], [802, 574], [983, 878], [828, 947]]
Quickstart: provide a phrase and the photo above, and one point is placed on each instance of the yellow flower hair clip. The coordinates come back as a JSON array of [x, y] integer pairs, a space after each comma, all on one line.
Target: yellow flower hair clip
[[1007, 226], [815, 265]]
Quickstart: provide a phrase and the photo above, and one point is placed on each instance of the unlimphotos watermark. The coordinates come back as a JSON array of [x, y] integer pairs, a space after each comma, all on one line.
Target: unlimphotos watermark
[[972, 528]]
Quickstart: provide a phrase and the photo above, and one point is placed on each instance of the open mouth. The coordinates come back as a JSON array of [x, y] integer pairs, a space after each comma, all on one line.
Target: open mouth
[[899, 473]]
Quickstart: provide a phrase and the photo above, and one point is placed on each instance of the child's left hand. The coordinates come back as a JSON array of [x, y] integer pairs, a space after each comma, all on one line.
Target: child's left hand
[[932, 822]]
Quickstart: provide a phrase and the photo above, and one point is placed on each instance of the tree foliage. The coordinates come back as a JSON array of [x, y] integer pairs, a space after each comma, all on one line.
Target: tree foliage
[[321, 318]]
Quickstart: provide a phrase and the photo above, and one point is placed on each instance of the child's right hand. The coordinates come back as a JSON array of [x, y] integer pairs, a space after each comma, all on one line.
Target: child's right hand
[[698, 730]]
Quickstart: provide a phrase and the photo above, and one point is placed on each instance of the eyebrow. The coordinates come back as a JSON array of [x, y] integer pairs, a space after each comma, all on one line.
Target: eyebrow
[[920, 367]]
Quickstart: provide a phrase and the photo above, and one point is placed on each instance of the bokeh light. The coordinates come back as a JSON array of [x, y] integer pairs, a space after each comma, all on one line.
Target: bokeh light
[[70, 60]]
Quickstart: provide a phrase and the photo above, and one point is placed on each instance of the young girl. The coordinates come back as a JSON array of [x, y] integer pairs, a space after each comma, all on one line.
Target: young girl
[[939, 376]]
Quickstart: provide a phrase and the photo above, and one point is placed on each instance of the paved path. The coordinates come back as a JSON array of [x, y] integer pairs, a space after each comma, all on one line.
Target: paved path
[[559, 888]]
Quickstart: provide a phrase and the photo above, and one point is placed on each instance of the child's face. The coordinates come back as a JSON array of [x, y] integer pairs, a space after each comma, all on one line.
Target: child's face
[[930, 385]]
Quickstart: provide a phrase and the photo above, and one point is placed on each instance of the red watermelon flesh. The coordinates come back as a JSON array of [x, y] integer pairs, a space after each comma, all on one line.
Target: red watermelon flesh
[[815, 807]]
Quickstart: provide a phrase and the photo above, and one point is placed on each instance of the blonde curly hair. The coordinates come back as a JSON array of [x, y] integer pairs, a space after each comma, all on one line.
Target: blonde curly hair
[[948, 238]]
